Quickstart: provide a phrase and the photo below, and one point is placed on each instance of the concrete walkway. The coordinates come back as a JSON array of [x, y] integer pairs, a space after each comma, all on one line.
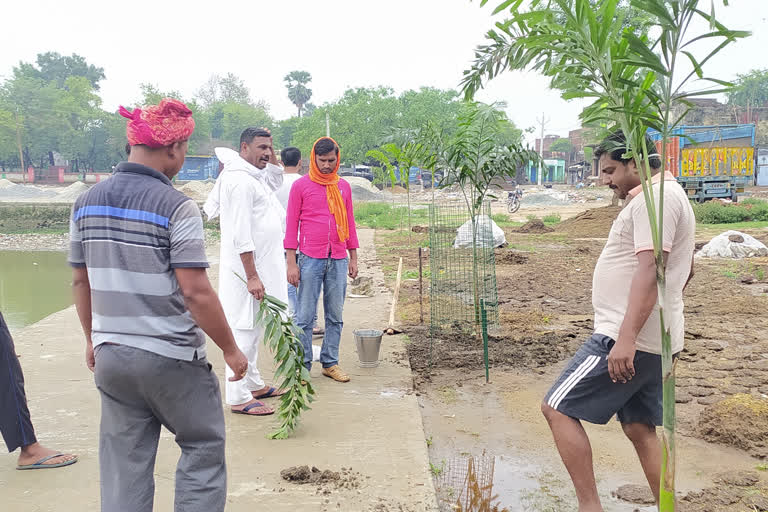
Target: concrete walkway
[[371, 424]]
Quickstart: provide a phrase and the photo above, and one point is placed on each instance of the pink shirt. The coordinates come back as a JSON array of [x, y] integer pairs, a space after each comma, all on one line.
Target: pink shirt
[[317, 236]]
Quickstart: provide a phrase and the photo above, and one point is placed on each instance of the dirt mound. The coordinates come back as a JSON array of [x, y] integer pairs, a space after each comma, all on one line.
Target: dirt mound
[[346, 478], [420, 229], [633, 493], [594, 223], [533, 226], [197, 190], [747, 494], [457, 349], [511, 257], [738, 421]]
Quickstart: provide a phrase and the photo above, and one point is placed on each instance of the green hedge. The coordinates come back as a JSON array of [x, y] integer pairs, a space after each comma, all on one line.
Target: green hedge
[[715, 212]]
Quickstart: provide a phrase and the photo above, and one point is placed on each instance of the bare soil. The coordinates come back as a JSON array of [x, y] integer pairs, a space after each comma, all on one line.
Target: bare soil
[[590, 223], [544, 289], [533, 226], [344, 479]]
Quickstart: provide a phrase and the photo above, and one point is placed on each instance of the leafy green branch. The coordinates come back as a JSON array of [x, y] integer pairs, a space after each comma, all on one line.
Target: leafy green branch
[[282, 336]]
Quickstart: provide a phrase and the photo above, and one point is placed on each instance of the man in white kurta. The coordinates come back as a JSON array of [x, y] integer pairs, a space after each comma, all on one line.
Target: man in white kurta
[[252, 224]]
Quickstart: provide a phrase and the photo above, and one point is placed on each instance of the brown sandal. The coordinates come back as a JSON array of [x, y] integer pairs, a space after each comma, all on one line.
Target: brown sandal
[[336, 373]]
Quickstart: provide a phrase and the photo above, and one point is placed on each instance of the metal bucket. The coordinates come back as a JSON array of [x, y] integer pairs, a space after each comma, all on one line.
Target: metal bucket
[[368, 343]]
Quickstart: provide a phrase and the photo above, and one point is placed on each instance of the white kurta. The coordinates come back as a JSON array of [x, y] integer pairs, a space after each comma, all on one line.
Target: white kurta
[[252, 220]]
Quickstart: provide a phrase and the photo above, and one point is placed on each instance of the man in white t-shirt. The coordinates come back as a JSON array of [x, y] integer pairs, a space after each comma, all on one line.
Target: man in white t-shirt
[[618, 369], [291, 159]]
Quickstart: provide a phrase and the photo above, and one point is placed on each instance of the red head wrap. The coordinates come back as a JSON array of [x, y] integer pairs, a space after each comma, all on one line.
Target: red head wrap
[[159, 125]]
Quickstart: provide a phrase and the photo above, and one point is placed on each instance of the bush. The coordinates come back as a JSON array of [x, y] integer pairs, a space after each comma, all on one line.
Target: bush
[[715, 212], [551, 219]]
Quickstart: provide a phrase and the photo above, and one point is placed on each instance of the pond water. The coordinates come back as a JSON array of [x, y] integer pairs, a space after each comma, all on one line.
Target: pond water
[[33, 284]]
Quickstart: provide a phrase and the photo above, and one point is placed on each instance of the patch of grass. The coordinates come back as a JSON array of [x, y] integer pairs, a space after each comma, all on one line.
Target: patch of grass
[[410, 274], [552, 218], [379, 215], [762, 467], [413, 274], [730, 274], [429, 442], [715, 212], [436, 470], [448, 394], [503, 220]]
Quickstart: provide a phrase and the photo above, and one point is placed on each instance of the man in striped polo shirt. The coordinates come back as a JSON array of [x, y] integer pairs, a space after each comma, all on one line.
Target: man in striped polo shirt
[[144, 300]]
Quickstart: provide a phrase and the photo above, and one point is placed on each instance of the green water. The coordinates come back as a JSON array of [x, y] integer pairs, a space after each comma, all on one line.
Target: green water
[[33, 285]]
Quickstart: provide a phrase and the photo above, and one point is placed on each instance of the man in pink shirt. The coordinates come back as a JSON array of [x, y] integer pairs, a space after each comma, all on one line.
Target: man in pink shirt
[[320, 223]]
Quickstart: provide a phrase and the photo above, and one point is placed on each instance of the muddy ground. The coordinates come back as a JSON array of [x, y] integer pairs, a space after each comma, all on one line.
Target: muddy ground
[[544, 288]]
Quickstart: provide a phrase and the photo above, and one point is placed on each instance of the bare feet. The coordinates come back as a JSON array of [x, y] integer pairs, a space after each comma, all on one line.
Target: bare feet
[[253, 408], [33, 453]]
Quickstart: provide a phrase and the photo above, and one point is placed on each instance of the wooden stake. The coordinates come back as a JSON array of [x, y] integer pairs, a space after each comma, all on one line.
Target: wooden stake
[[391, 326]]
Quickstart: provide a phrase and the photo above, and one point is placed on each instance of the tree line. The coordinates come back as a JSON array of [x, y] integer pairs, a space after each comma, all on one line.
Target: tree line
[[52, 108]]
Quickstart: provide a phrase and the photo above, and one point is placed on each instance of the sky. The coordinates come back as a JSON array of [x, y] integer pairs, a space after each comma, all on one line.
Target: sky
[[403, 44]]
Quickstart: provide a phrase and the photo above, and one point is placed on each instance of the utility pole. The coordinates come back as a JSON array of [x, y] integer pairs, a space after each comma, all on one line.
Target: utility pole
[[18, 143], [543, 121], [327, 124]]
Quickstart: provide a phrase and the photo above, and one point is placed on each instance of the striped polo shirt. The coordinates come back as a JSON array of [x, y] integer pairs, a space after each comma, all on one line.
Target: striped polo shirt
[[131, 231]]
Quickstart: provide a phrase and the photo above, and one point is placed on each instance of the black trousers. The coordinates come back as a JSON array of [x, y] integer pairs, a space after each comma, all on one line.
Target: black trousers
[[15, 423]]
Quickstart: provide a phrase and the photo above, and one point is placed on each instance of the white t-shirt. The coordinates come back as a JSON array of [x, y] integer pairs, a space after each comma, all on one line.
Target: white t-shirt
[[285, 189], [630, 235]]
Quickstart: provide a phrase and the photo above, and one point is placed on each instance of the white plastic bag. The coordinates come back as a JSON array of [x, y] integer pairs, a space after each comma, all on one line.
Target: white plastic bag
[[727, 245], [488, 234]]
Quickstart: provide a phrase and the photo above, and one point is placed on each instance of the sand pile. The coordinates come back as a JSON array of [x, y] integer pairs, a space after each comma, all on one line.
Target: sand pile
[[594, 223], [197, 190], [21, 193], [72, 192], [362, 189]]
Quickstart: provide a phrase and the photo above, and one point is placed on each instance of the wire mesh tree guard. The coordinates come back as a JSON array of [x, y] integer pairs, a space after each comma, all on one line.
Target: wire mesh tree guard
[[456, 264]]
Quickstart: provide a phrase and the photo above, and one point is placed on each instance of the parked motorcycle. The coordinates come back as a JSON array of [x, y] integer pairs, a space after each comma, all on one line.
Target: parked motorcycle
[[513, 199]]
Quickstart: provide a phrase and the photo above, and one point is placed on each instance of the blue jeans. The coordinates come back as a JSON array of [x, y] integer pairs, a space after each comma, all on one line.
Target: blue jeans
[[292, 304], [330, 275]]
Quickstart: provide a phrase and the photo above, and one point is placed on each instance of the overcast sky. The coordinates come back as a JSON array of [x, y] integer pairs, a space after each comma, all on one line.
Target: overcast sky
[[403, 44]]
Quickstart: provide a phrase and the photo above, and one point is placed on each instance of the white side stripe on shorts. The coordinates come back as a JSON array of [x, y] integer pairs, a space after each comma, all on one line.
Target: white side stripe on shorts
[[573, 379]]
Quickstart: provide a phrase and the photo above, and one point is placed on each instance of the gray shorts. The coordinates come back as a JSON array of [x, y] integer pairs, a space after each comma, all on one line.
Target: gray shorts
[[585, 391]]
